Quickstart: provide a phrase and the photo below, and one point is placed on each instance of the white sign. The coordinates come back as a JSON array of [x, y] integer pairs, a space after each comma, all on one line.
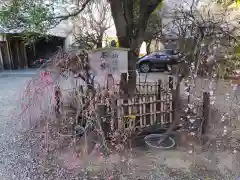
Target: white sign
[[111, 60]]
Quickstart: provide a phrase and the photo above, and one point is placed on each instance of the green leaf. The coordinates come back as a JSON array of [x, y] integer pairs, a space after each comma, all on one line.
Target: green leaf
[[31, 16]]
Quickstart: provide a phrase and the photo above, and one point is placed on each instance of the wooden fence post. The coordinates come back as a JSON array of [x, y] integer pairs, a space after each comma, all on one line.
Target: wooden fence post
[[206, 112], [175, 102], [110, 81], [104, 119], [57, 99], [123, 84], [170, 82], [159, 86], [159, 103], [170, 85], [114, 115], [124, 89]]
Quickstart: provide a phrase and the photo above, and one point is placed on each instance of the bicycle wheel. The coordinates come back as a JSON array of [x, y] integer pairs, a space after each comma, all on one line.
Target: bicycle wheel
[[153, 140]]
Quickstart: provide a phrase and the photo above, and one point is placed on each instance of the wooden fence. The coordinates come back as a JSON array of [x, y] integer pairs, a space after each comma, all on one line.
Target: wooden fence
[[152, 104]]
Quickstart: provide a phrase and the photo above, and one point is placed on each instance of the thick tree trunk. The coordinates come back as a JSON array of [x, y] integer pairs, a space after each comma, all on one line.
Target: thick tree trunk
[[132, 60], [132, 75], [99, 40], [148, 47], [99, 44], [122, 13]]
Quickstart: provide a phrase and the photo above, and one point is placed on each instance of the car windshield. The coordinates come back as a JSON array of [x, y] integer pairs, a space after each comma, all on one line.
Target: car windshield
[[153, 54], [157, 53], [165, 51]]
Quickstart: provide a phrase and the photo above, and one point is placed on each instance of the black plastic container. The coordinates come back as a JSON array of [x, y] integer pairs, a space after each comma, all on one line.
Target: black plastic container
[[138, 139]]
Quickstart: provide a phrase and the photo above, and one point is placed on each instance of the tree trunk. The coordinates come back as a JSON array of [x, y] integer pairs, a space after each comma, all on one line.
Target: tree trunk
[[122, 13], [99, 41], [132, 60], [132, 75], [99, 44], [148, 46]]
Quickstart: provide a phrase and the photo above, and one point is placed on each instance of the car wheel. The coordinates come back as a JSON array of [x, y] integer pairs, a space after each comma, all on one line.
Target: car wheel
[[145, 67]]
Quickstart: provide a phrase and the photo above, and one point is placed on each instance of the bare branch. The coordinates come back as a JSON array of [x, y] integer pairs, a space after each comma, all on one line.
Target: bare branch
[[64, 17], [146, 9], [203, 34], [91, 25]]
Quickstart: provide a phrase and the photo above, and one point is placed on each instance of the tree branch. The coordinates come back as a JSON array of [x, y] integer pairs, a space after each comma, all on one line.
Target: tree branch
[[64, 17], [146, 9], [128, 16], [120, 22]]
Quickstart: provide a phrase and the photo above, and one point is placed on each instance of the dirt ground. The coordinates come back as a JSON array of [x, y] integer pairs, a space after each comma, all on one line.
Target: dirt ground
[[138, 164], [185, 163], [158, 164]]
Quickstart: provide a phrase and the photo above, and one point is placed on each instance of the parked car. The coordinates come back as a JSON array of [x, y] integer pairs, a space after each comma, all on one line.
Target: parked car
[[163, 60], [39, 62]]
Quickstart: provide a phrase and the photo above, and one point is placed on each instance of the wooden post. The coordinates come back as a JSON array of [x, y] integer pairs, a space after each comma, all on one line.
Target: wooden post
[[172, 91], [18, 54], [110, 81], [114, 114], [104, 119], [158, 105], [1, 59], [206, 112], [159, 86], [34, 50], [170, 99], [9, 53], [123, 84], [5, 55], [170, 82], [57, 96], [175, 102], [24, 55], [124, 95]]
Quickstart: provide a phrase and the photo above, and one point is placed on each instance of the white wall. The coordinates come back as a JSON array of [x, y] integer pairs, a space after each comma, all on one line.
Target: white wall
[[66, 28]]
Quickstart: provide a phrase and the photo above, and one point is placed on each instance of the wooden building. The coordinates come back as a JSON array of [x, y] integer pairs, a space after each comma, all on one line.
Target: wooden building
[[15, 54]]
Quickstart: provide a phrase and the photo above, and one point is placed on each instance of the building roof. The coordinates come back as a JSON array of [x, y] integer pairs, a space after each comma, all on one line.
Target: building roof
[[4, 30]]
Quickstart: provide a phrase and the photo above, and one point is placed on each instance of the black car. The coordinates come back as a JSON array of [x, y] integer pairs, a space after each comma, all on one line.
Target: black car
[[163, 60]]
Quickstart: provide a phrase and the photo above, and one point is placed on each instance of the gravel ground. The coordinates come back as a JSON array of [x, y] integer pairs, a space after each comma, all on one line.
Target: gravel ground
[[11, 152], [20, 161]]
